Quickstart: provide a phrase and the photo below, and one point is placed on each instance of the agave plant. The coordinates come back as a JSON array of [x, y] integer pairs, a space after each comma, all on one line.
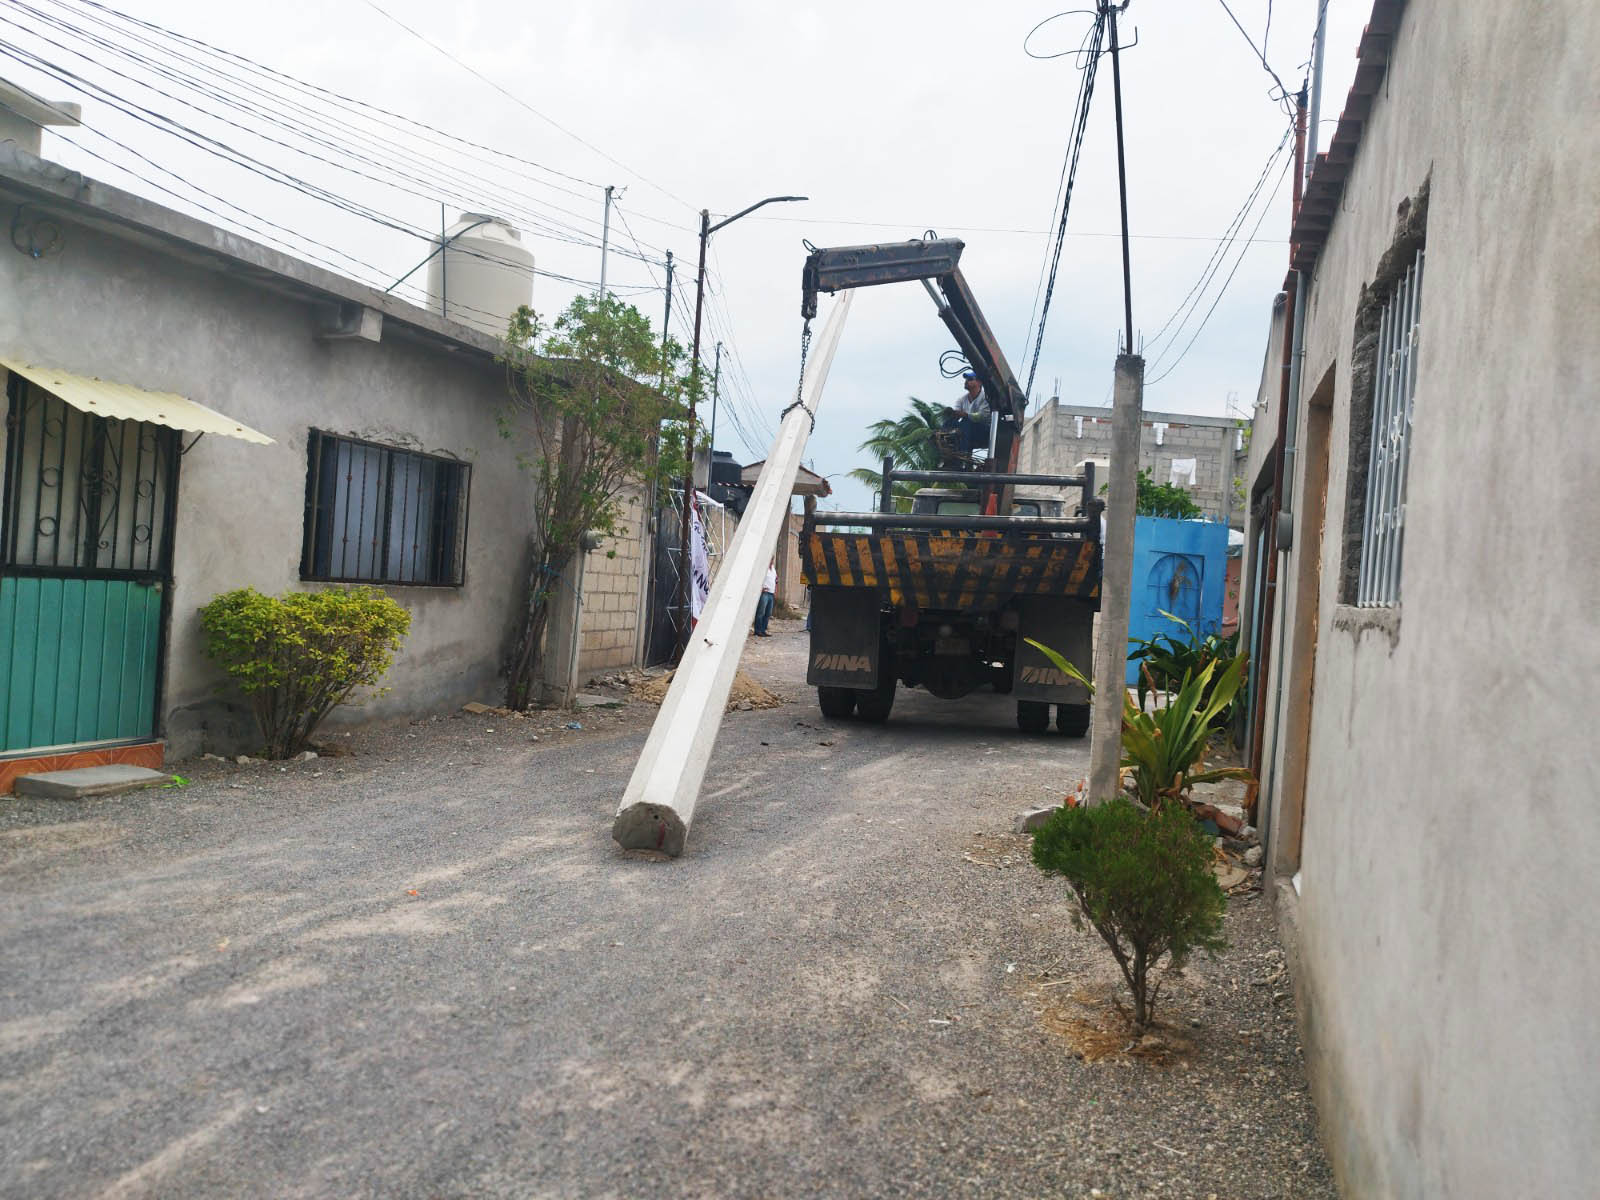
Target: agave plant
[[1164, 748], [1165, 660]]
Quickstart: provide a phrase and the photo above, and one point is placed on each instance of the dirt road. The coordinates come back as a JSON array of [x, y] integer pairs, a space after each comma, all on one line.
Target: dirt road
[[424, 969]]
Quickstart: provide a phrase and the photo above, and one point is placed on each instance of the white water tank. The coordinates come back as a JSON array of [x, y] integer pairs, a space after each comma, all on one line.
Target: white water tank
[[483, 274]]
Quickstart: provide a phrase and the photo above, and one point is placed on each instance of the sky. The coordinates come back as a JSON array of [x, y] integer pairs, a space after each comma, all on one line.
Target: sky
[[893, 119]]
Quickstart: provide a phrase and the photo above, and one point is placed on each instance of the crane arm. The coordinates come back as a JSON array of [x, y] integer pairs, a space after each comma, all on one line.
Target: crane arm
[[935, 262]]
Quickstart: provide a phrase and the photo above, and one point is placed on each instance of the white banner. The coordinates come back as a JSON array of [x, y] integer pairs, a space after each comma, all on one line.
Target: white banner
[[699, 563]]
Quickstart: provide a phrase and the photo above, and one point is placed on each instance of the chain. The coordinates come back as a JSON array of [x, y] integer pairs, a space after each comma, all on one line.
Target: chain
[[799, 389]]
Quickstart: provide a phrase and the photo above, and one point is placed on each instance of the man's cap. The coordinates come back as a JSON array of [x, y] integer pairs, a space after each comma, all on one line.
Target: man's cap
[[969, 375]]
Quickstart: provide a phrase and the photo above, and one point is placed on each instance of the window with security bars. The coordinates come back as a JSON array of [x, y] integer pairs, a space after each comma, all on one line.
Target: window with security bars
[[378, 514], [1389, 453], [85, 495]]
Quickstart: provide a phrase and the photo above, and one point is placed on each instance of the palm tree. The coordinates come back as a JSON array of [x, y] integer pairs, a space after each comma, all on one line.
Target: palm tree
[[909, 441]]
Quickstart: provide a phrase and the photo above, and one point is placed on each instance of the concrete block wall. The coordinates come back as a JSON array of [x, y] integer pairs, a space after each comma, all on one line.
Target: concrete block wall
[[1060, 436], [612, 591]]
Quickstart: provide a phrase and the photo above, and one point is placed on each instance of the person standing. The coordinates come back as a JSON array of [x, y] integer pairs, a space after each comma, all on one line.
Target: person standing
[[769, 597]]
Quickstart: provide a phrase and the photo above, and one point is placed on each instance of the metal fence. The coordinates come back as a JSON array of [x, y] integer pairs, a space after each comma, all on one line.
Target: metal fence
[[1383, 520]]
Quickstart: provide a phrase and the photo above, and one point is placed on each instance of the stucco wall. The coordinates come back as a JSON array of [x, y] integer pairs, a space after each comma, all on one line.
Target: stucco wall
[[106, 306], [1445, 859]]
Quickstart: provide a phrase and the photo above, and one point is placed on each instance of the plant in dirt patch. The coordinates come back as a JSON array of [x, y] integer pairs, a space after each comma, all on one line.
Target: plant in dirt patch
[[1143, 880], [300, 655], [597, 407], [1165, 748]]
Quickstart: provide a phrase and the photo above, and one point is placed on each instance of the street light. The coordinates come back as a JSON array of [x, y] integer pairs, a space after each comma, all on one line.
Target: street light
[[684, 563]]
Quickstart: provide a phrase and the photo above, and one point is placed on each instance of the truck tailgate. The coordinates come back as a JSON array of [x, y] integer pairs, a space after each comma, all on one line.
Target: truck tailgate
[[952, 571]]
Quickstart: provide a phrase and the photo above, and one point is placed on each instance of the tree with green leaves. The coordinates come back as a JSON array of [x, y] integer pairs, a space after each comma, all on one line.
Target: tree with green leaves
[[597, 405], [1161, 499], [909, 440]]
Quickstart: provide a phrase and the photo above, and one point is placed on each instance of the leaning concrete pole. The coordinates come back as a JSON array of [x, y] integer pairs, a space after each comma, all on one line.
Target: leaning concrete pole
[[658, 804], [1116, 586]]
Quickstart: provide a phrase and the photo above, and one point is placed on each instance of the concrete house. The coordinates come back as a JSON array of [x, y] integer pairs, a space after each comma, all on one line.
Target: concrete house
[[1422, 595], [190, 412]]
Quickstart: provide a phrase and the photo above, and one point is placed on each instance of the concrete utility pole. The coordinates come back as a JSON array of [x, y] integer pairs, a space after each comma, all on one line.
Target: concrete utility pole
[[716, 387], [1116, 582], [659, 802], [605, 240], [706, 230]]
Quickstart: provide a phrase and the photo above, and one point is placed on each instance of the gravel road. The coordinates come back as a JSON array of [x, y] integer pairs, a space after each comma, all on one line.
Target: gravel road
[[423, 969]]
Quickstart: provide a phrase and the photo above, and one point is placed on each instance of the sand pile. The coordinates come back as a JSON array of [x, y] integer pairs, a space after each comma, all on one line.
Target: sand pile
[[745, 694]]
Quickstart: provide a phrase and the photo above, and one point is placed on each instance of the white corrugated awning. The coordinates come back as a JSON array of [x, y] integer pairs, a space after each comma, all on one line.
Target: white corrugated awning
[[128, 403]]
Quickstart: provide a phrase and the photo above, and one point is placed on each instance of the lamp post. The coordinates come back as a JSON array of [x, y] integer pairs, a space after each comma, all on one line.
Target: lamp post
[[684, 566]]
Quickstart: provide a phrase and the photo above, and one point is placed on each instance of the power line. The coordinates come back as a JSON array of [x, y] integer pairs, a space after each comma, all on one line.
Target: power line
[[409, 168], [1079, 124], [1283, 93], [164, 124], [515, 99], [1223, 290], [943, 227], [251, 65], [1224, 244]]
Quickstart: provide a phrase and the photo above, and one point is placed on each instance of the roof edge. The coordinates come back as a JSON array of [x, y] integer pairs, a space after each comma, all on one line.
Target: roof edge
[[111, 208]]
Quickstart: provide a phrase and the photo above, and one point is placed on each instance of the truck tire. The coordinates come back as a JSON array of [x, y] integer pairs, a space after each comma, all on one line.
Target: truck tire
[[1033, 716], [1072, 719], [837, 702], [874, 706]]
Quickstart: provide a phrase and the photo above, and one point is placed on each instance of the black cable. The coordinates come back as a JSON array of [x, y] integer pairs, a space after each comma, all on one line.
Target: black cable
[[1282, 98], [524, 104], [1224, 244], [511, 206], [168, 125], [1081, 121], [1224, 289], [250, 64], [1061, 181]]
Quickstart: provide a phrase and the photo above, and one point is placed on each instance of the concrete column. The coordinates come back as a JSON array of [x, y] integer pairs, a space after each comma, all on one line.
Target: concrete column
[[660, 799], [1116, 586]]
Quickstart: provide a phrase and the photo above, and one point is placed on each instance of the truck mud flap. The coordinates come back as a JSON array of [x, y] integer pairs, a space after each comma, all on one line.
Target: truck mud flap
[[845, 637], [1067, 627]]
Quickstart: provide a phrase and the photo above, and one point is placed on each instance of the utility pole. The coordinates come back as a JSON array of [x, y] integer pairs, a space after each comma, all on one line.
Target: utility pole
[[716, 381], [666, 321], [1116, 588], [706, 230], [605, 238]]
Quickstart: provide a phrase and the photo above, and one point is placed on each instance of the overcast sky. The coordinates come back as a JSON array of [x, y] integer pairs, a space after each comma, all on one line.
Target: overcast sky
[[892, 118]]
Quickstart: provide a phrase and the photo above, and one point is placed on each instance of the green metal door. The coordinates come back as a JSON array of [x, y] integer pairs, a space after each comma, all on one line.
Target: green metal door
[[84, 566]]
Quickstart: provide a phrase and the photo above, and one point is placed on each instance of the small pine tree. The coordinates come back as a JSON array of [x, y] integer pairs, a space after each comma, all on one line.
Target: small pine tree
[[1143, 880]]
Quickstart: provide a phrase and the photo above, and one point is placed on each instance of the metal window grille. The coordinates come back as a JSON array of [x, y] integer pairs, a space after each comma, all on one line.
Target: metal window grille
[[377, 514], [85, 494], [1394, 393]]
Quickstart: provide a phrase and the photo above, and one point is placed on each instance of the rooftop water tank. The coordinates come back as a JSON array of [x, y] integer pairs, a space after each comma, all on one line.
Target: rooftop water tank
[[483, 274]]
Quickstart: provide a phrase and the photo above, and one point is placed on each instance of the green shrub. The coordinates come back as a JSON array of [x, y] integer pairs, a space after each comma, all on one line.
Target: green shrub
[[299, 655], [1143, 880]]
